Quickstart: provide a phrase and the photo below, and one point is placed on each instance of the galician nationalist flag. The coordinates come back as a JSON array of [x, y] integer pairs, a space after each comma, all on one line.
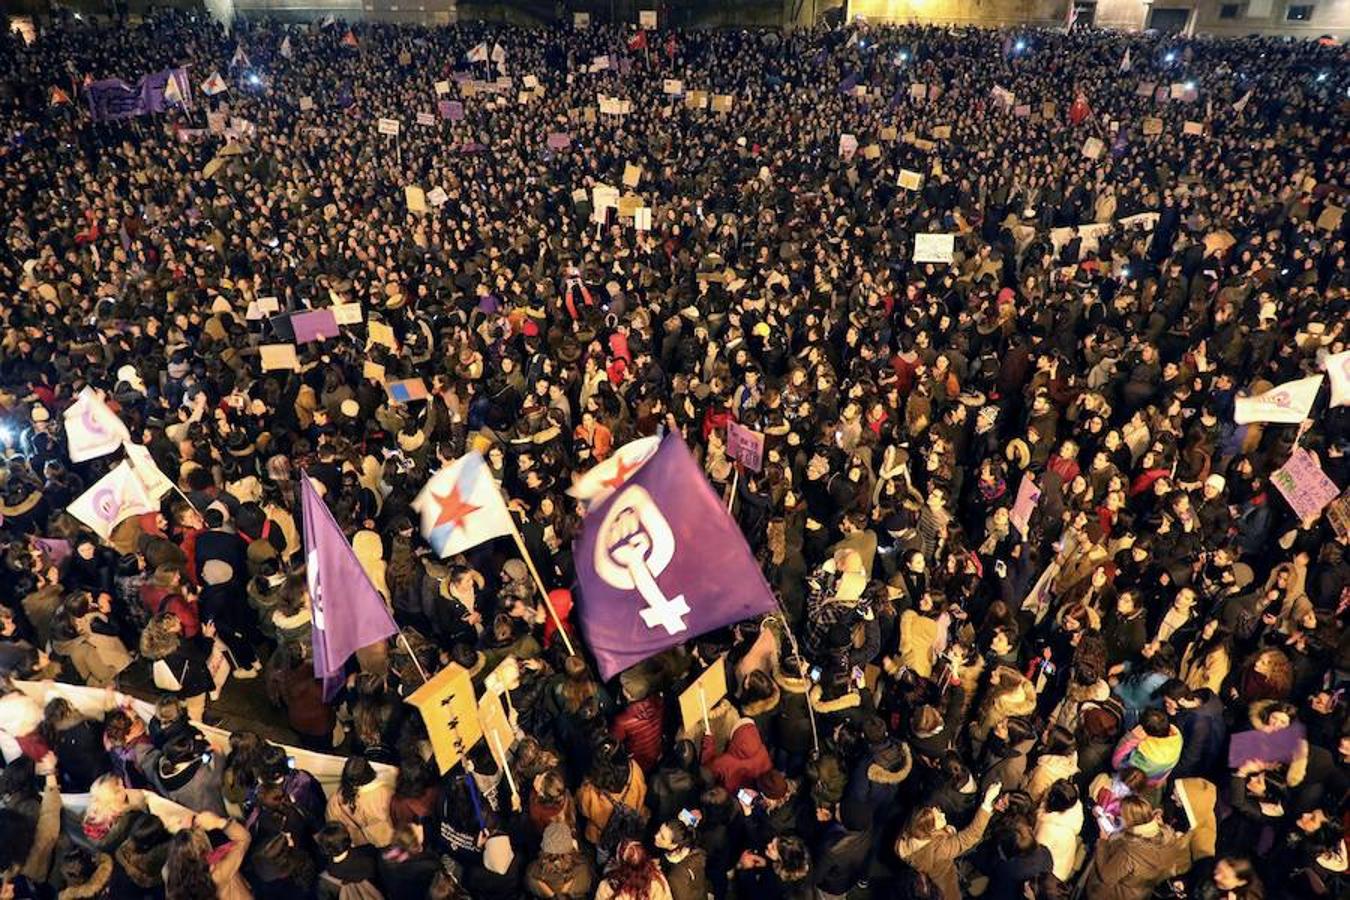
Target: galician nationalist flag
[[92, 429], [461, 507], [1286, 404], [478, 53], [600, 480], [660, 561], [286, 47], [348, 611], [116, 496]]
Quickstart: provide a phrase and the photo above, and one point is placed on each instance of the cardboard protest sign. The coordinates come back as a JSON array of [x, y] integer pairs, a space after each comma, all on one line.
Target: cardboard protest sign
[[942, 132], [450, 710], [416, 198], [696, 100], [706, 691], [380, 333], [629, 204], [632, 174], [890, 133], [672, 86], [1048, 109], [313, 325], [934, 247], [872, 151], [642, 219], [348, 313], [1304, 485], [279, 356], [1152, 125], [918, 91], [1093, 147], [721, 103], [1145, 89], [745, 445], [426, 118], [409, 390], [910, 181], [1192, 128], [306, 104], [372, 370], [1330, 219], [442, 88], [559, 140], [531, 81], [1028, 495], [1338, 514], [581, 20], [437, 196], [647, 18], [1022, 110], [388, 126], [848, 145], [1337, 366]]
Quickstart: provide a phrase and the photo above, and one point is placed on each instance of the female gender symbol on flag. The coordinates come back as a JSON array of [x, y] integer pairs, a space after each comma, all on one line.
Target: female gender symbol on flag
[[636, 545]]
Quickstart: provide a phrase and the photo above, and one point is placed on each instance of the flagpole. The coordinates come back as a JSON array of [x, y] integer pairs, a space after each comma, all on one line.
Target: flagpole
[[539, 582], [406, 646]]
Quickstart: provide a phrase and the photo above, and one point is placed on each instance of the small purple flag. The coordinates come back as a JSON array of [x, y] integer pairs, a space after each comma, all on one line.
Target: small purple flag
[[348, 611], [660, 561], [315, 325], [450, 110]]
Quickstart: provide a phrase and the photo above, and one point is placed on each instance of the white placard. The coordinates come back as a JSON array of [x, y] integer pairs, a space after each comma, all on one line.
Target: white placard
[[425, 118], [389, 126], [347, 313], [934, 247], [442, 88], [437, 195], [647, 18], [581, 20], [642, 218]]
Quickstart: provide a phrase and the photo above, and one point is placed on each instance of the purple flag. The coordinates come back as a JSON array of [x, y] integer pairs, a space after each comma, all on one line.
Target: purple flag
[[112, 98], [315, 325], [348, 611], [660, 561]]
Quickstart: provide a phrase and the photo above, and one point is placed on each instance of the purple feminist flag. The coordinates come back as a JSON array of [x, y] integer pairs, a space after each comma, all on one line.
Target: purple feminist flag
[[660, 561], [111, 99], [348, 612]]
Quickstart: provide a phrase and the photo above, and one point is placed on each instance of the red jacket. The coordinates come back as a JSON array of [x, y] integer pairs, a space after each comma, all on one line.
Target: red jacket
[[167, 600], [638, 726], [744, 760]]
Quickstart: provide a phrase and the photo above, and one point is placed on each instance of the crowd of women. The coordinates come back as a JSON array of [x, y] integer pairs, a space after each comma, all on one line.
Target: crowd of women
[[1128, 686]]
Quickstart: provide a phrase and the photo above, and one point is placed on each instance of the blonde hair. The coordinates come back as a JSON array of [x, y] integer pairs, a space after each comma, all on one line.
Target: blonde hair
[[108, 799]]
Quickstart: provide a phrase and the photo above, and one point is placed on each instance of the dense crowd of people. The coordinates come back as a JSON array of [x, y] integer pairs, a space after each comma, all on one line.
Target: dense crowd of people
[[1132, 689]]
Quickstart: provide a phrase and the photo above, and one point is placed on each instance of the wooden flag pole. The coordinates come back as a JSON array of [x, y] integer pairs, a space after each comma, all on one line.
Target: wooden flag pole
[[413, 656], [539, 582], [506, 768]]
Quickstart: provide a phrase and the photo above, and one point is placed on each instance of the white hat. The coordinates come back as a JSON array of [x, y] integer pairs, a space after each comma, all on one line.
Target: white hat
[[1217, 482]]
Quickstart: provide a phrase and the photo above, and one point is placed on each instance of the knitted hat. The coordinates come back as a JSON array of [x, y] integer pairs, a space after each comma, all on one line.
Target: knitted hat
[[558, 839]]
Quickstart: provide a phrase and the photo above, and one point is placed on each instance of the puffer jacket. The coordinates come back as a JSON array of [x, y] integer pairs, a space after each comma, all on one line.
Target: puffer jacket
[[638, 726]]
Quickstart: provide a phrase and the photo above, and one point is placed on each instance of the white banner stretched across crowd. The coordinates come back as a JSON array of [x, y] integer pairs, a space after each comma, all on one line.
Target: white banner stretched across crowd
[[94, 703]]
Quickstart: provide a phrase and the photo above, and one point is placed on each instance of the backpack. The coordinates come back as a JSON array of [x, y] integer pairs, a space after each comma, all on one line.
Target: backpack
[[1101, 720], [625, 823]]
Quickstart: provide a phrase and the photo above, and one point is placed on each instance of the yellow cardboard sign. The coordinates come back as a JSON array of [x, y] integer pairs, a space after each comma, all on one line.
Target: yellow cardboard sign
[[450, 711], [703, 694], [279, 356]]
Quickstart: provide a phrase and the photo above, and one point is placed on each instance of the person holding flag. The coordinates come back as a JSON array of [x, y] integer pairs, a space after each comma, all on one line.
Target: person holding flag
[[348, 612]]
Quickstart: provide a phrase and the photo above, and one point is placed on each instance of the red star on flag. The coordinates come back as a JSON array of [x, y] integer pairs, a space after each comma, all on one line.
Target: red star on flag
[[621, 473], [454, 509]]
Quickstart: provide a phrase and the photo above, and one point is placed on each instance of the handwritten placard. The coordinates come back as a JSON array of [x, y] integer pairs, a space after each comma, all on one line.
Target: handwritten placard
[[936, 248], [1304, 485]]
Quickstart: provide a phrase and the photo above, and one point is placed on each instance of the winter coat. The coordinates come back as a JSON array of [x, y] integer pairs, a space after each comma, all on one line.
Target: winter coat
[[874, 785], [1131, 864], [744, 759], [1001, 703], [1048, 770], [1061, 834], [639, 726], [935, 856], [96, 885], [792, 722], [368, 819], [688, 878], [597, 805]]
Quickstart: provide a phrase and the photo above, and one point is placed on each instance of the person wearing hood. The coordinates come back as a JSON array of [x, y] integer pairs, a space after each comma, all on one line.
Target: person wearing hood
[[876, 779], [560, 871], [743, 760], [498, 874], [188, 772]]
